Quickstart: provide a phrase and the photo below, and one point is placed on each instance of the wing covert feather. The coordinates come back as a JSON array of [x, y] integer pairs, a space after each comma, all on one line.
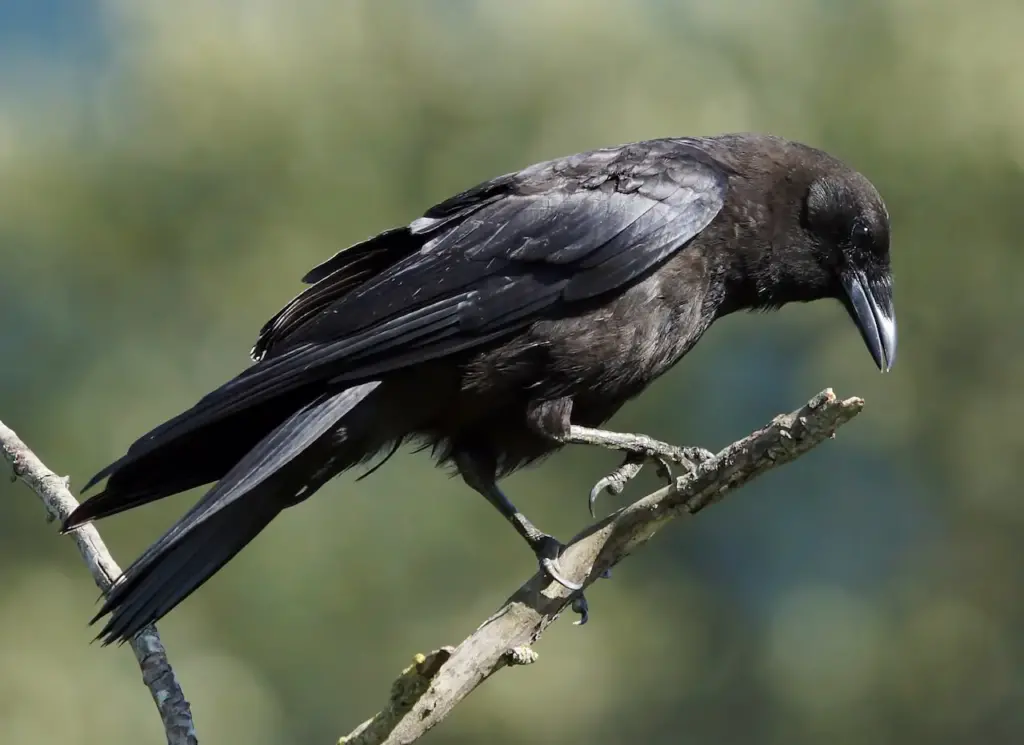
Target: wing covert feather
[[475, 268]]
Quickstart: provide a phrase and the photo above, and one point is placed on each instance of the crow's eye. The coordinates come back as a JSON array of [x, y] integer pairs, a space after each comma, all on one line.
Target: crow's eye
[[860, 236]]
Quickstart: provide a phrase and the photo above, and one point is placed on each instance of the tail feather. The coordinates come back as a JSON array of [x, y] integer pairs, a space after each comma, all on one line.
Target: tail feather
[[112, 502], [207, 452], [156, 584], [284, 444], [283, 465]]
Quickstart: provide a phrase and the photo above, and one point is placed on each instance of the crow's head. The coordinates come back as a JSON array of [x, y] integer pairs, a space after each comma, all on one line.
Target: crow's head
[[803, 226], [845, 226]]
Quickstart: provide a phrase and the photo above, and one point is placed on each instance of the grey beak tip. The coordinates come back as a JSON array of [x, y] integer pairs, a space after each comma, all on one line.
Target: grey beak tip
[[870, 304]]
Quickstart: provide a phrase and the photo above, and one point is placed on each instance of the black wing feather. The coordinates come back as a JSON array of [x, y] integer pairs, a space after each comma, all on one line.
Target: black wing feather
[[476, 267]]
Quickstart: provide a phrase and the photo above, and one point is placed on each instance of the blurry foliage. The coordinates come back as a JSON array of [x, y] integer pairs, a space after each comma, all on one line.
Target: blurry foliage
[[155, 210]]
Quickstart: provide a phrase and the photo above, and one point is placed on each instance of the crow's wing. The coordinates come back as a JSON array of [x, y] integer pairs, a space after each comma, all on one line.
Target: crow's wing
[[475, 268]]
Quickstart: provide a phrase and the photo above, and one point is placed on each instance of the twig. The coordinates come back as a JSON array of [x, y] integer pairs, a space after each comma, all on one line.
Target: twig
[[504, 639], [149, 650]]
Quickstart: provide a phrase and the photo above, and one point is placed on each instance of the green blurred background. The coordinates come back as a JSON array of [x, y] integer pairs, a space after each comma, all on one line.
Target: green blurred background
[[168, 171]]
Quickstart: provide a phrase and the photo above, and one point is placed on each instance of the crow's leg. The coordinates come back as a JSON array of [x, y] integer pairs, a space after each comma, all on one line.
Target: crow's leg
[[480, 476], [552, 418], [639, 449]]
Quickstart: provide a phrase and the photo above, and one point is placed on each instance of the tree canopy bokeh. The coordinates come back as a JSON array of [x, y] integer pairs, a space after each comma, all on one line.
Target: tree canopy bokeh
[[168, 171]]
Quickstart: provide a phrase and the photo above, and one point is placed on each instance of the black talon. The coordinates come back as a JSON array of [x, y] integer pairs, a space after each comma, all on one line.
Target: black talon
[[663, 468], [550, 566], [547, 550], [582, 608], [615, 482]]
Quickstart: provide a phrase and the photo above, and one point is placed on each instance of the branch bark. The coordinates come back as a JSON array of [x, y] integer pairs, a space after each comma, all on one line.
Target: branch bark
[[157, 673], [428, 690], [434, 684]]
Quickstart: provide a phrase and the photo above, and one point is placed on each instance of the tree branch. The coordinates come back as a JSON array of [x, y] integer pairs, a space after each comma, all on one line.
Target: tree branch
[[434, 684], [149, 650], [428, 690]]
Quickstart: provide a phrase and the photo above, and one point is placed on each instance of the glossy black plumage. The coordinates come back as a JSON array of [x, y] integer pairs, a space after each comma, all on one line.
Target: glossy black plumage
[[537, 300]]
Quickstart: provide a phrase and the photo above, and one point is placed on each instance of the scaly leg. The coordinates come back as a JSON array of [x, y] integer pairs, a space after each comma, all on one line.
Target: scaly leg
[[639, 449], [552, 418], [546, 548]]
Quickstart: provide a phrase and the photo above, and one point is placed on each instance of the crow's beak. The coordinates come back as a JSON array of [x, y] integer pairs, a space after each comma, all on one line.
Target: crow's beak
[[869, 302]]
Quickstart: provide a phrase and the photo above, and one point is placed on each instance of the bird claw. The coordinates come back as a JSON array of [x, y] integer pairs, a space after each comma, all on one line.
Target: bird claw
[[694, 457], [663, 468], [582, 608], [615, 482], [662, 456], [547, 550]]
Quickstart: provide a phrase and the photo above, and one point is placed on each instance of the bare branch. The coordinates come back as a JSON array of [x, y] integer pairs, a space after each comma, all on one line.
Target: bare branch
[[433, 685], [149, 650], [427, 691]]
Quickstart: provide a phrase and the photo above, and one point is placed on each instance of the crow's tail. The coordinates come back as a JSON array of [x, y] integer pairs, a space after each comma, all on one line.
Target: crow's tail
[[285, 467]]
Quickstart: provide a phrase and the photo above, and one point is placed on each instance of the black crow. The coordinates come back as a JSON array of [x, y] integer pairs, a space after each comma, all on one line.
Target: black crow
[[508, 321]]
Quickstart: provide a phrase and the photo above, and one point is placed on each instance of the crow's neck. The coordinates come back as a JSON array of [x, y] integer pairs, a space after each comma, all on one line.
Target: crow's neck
[[760, 274]]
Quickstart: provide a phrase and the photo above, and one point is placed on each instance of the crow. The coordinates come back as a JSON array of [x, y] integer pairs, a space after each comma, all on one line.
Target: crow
[[508, 321]]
